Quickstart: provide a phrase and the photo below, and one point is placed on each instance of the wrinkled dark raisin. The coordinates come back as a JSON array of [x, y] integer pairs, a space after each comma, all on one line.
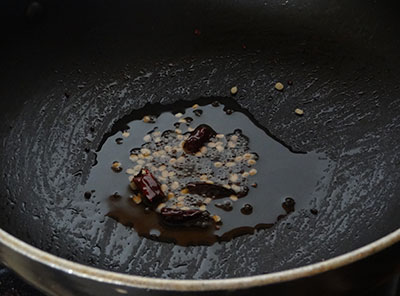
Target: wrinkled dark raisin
[[88, 194], [288, 205], [149, 187], [201, 135], [314, 211], [209, 190], [246, 209], [229, 111], [178, 215], [254, 185]]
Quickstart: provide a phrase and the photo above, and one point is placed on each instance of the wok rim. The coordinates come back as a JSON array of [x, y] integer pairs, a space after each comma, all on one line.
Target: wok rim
[[135, 281]]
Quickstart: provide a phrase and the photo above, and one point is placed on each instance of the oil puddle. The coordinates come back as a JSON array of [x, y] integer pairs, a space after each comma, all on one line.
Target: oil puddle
[[264, 179]]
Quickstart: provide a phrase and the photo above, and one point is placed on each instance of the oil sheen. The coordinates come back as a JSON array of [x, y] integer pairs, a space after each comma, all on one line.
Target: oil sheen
[[276, 179]]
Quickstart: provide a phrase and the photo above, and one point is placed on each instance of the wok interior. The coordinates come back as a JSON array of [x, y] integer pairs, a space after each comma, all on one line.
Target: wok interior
[[64, 82]]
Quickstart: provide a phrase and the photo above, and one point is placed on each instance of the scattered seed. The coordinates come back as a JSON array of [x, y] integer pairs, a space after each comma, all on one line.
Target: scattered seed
[[202, 208], [137, 167], [172, 160], [156, 133], [185, 208], [230, 164], [184, 191], [207, 200], [231, 144], [180, 159], [219, 148], [233, 197], [234, 90], [141, 162], [178, 115], [162, 168], [133, 157], [178, 131], [195, 106], [211, 145], [252, 172], [181, 198], [251, 162], [234, 178], [116, 166], [198, 154], [203, 177], [164, 187], [227, 186], [279, 86], [174, 185], [220, 136], [160, 206], [299, 112], [146, 152], [119, 141], [164, 173], [130, 171], [234, 138], [137, 199], [245, 174], [147, 138], [125, 134], [203, 149], [190, 129], [238, 158], [209, 182], [218, 164], [147, 119], [157, 140], [235, 187], [216, 218], [170, 195], [179, 137], [247, 156], [182, 120]]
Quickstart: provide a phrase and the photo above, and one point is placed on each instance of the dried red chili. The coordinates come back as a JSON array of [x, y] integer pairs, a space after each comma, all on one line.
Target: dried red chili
[[149, 187], [201, 135]]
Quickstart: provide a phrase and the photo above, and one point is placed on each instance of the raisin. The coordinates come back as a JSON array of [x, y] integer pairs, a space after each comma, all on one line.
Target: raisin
[[288, 205], [178, 215], [201, 135], [209, 190], [149, 187]]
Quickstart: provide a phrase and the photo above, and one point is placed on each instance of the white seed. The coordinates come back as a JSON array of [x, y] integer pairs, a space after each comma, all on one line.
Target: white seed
[[141, 162], [195, 106], [156, 133], [234, 138], [162, 168], [146, 119], [137, 199], [172, 160], [171, 174], [178, 131], [137, 167], [130, 171], [216, 218], [133, 157], [234, 178], [164, 187], [251, 161], [299, 112], [233, 197], [170, 195], [247, 156], [125, 134], [160, 206], [238, 158], [211, 145], [182, 120], [202, 208], [185, 208], [157, 140], [231, 144], [218, 164], [209, 182], [220, 136], [279, 86], [245, 174], [147, 138], [203, 149], [180, 159], [203, 177], [219, 143], [227, 186], [219, 148], [207, 200], [236, 188], [252, 172], [181, 198], [178, 115], [190, 129], [164, 174], [145, 152], [167, 148], [179, 137], [198, 154], [174, 185], [234, 90], [230, 164]]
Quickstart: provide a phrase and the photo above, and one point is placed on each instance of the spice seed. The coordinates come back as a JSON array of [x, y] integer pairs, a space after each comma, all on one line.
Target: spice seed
[[178, 115], [164, 187], [147, 138], [252, 172], [203, 208], [279, 86], [216, 218], [195, 106], [137, 199], [251, 161], [233, 197], [234, 90], [218, 164], [125, 134], [184, 191], [299, 112]]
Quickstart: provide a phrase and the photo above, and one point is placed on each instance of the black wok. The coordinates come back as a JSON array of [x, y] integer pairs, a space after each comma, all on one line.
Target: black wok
[[69, 69]]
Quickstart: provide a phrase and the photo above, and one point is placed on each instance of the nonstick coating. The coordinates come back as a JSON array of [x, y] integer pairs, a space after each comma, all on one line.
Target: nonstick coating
[[67, 75]]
